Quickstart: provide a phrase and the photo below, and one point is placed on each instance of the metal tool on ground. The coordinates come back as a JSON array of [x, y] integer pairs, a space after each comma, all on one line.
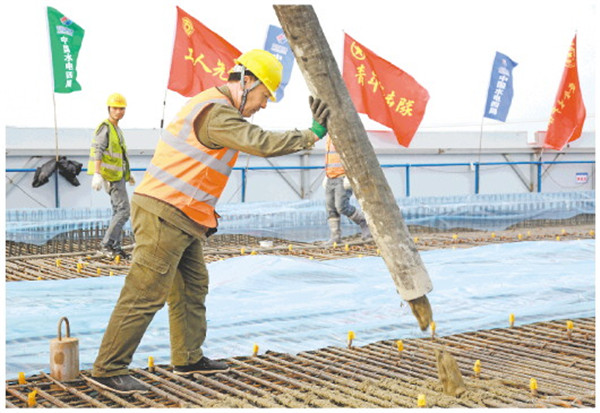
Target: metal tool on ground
[[64, 354]]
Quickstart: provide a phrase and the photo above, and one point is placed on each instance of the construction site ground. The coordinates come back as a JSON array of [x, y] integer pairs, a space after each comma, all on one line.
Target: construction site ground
[[560, 360]]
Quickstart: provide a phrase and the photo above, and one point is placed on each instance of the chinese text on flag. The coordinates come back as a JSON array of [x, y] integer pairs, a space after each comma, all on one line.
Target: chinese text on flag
[[384, 92], [500, 91], [201, 58], [65, 42], [568, 113]]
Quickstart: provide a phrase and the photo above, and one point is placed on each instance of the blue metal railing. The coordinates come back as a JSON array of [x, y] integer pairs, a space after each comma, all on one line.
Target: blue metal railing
[[407, 167]]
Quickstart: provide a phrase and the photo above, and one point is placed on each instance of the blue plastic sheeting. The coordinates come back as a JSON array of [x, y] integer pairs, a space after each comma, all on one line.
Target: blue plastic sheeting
[[306, 220], [289, 304]]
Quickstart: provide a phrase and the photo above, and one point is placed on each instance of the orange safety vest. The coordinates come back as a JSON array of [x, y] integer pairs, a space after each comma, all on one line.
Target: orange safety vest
[[333, 163], [185, 173]]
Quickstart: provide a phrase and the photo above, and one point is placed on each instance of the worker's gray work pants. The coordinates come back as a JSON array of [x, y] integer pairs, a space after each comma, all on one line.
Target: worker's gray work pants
[[168, 266], [337, 198], [119, 201]]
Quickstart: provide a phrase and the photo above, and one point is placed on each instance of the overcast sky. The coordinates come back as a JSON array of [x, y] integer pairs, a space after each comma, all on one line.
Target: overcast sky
[[447, 46]]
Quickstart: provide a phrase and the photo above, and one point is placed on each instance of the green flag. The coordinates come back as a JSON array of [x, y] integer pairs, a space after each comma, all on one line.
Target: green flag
[[65, 42]]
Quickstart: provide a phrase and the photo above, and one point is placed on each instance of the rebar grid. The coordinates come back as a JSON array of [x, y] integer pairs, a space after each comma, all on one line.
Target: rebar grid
[[371, 376], [82, 264]]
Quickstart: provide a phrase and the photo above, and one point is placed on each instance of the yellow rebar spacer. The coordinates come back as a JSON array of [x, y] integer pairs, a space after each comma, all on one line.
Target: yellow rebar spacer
[[346, 248], [421, 402], [151, 362], [22, 378], [533, 386], [400, 345], [255, 349], [351, 336], [290, 247], [477, 367], [31, 399], [117, 259], [242, 250], [511, 319], [432, 327], [58, 262], [569, 329]]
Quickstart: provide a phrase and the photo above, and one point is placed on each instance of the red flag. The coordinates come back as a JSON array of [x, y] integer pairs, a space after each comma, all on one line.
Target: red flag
[[201, 58], [384, 92], [568, 113]]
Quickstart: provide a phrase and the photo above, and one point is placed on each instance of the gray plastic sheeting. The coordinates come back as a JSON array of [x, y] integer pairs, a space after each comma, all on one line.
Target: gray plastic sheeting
[[289, 304], [306, 220]]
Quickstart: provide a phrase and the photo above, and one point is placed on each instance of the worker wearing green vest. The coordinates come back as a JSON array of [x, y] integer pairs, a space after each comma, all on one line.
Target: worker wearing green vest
[[110, 167]]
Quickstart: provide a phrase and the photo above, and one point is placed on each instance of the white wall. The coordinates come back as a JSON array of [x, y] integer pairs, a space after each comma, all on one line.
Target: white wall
[[31, 147]]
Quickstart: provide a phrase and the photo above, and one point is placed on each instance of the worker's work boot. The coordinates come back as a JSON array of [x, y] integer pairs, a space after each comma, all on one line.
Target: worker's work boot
[[204, 366], [358, 218], [334, 230], [117, 250], [107, 251], [124, 384]]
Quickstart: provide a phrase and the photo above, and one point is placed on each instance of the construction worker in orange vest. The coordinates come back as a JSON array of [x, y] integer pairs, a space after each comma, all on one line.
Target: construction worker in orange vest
[[337, 197], [173, 211]]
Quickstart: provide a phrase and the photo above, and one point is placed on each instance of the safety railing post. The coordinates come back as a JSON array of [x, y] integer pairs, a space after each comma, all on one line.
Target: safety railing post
[[539, 176], [243, 185], [407, 177], [476, 178], [56, 198]]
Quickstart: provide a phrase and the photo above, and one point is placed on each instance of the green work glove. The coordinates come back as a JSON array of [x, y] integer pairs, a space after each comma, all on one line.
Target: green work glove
[[320, 112], [318, 129]]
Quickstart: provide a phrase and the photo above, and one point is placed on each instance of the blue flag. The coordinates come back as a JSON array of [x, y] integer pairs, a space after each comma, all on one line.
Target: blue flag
[[277, 44], [500, 92]]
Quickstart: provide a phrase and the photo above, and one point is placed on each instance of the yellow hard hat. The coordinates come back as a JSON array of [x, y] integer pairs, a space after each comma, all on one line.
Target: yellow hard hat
[[116, 100], [266, 67]]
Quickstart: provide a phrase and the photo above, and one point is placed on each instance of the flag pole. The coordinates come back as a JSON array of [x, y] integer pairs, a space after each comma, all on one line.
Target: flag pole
[[55, 125], [480, 139], [162, 121], [56, 200]]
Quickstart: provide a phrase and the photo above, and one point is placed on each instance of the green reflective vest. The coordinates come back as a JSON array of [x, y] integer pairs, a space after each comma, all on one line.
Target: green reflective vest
[[114, 165]]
